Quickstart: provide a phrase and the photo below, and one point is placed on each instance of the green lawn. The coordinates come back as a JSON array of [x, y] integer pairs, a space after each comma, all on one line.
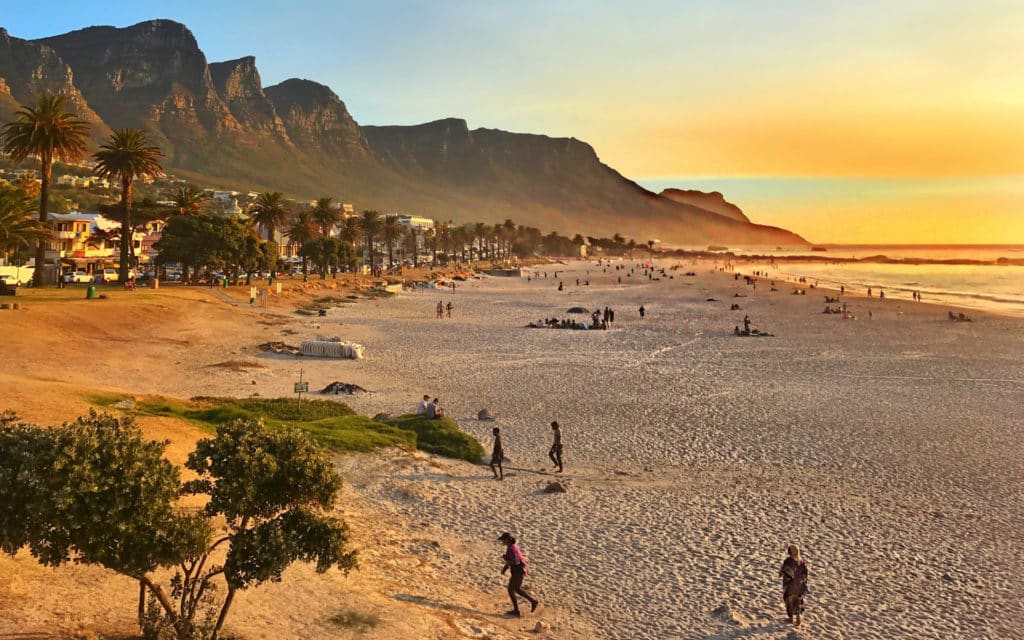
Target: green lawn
[[332, 424]]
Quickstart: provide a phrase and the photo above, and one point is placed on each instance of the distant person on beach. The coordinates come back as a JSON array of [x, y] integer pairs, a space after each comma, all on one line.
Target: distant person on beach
[[555, 453], [449, 308], [842, 289], [515, 562], [881, 294], [440, 309], [497, 455], [421, 406], [869, 292], [746, 324], [559, 286], [794, 584], [643, 312]]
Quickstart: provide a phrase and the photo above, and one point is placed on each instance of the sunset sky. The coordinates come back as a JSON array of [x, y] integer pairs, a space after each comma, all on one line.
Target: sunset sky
[[847, 122]]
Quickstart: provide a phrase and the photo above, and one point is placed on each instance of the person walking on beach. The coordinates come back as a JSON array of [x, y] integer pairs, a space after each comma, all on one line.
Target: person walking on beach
[[515, 562], [497, 455], [794, 584], [642, 312], [449, 308], [440, 309], [555, 453]]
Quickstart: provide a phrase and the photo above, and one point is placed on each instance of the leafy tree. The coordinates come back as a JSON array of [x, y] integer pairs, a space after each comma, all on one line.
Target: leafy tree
[[271, 488], [323, 251], [127, 155], [47, 131], [213, 242], [96, 492], [19, 230]]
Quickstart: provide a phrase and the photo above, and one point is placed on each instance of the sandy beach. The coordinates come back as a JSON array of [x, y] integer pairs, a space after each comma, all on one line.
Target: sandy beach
[[889, 449]]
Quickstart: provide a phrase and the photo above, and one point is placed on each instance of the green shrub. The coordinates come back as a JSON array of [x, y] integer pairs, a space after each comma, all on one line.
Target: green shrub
[[441, 436]]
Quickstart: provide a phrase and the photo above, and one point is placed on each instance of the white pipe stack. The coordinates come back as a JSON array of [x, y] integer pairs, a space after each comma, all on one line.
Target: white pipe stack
[[331, 349]]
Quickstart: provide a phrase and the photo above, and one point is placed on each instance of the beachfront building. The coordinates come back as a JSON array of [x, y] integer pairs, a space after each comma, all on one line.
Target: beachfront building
[[89, 242], [414, 222]]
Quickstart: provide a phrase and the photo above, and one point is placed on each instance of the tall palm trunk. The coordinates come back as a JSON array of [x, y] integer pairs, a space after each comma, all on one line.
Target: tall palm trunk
[[270, 238], [391, 260], [45, 170], [369, 249], [126, 228]]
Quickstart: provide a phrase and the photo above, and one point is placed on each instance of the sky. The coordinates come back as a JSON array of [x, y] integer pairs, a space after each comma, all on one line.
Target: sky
[[857, 122]]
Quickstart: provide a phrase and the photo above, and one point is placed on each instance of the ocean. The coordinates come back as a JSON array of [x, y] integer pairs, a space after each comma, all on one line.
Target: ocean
[[989, 287]]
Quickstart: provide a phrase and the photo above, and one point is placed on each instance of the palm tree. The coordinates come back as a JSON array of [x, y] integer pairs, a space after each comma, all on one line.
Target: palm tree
[[370, 223], [188, 201], [325, 215], [412, 245], [349, 231], [19, 230], [49, 132], [127, 155], [392, 232], [480, 233], [301, 230], [269, 211]]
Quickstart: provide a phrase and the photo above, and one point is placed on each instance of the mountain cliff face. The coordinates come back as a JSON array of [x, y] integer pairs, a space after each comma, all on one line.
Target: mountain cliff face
[[219, 125], [316, 118], [238, 83], [28, 69], [712, 201]]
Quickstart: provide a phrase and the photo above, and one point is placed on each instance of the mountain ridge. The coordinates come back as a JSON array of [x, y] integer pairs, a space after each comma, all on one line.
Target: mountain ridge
[[216, 121]]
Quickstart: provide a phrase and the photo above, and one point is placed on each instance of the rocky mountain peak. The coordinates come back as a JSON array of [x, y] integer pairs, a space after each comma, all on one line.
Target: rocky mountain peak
[[315, 117]]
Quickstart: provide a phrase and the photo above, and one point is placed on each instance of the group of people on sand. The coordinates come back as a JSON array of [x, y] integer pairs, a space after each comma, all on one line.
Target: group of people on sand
[[513, 556], [443, 310], [794, 572], [429, 408]]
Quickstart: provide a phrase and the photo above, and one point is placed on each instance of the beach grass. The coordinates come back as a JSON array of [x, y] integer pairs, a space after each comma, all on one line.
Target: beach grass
[[333, 425], [441, 436]]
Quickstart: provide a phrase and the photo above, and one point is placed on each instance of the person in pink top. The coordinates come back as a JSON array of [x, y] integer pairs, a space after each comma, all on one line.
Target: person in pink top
[[515, 562]]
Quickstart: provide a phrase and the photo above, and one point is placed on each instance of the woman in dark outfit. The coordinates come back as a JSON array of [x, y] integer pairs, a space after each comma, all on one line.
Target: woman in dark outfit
[[515, 562], [794, 584]]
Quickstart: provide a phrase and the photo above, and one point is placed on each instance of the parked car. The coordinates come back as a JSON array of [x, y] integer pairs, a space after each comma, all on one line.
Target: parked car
[[109, 275], [173, 276], [78, 277], [9, 279]]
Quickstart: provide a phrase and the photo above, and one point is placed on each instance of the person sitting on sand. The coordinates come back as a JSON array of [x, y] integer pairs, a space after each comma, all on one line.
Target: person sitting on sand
[[497, 455], [794, 584], [421, 406], [515, 562], [555, 453]]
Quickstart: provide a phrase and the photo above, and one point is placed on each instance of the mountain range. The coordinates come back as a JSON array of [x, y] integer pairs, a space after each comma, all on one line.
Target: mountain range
[[219, 125]]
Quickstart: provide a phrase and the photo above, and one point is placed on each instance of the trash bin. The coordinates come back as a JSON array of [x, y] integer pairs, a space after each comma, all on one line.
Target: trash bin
[[90, 293], [156, 283]]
